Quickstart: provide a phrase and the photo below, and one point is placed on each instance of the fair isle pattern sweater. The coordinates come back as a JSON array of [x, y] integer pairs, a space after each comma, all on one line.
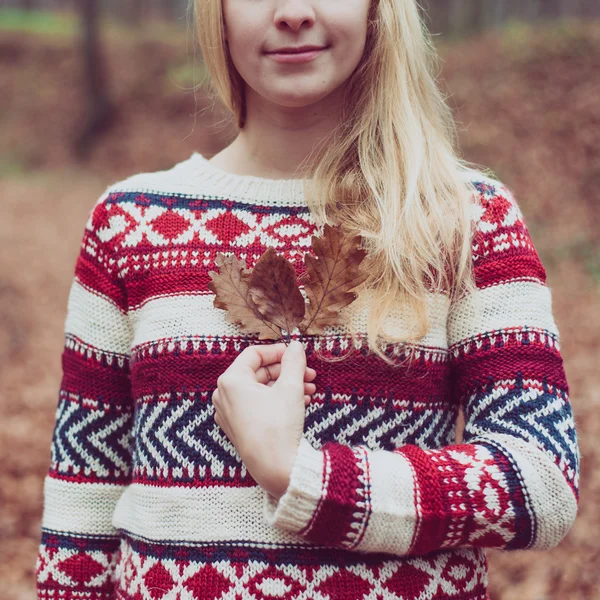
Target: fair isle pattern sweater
[[146, 498]]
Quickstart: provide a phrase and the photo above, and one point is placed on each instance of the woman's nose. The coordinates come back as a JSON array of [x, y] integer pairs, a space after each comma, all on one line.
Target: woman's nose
[[294, 14]]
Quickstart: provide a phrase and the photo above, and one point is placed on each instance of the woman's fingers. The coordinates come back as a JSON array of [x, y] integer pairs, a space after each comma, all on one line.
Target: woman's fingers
[[272, 372], [309, 388], [268, 373], [260, 355]]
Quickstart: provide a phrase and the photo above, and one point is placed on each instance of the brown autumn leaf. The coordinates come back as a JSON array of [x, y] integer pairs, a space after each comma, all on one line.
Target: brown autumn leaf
[[331, 274], [275, 292], [268, 300], [231, 289]]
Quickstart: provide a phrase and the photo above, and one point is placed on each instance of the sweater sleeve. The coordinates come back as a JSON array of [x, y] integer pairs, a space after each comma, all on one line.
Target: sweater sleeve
[[512, 482], [91, 444]]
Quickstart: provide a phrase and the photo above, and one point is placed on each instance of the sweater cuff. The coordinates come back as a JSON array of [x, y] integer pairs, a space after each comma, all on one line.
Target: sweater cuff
[[296, 507]]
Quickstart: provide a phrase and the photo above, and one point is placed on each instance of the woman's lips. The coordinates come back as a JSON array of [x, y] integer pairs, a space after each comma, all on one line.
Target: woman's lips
[[296, 57]]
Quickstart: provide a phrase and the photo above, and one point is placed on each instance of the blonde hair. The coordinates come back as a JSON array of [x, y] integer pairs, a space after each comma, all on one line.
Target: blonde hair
[[391, 170]]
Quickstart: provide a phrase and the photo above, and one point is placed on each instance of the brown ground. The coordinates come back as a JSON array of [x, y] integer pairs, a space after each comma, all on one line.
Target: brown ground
[[530, 110]]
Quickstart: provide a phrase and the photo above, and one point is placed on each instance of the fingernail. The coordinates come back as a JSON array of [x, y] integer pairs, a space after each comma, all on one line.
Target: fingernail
[[296, 345]]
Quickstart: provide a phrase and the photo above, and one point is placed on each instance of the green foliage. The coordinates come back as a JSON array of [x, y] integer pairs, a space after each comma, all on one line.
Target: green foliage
[[189, 74], [38, 22], [60, 26]]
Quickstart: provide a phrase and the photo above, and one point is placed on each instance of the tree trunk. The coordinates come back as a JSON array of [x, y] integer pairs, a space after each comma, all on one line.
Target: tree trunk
[[100, 112]]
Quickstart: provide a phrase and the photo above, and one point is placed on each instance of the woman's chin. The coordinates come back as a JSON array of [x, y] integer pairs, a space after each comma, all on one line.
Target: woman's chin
[[296, 94], [297, 99]]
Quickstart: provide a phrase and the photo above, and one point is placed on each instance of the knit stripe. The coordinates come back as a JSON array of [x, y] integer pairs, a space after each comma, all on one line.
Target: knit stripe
[[90, 374], [474, 371], [511, 268], [91, 441], [393, 514], [153, 377], [194, 315], [94, 280], [71, 567], [80, 508], [334, 515], [178, 443], [147, 283], [506, 305], [96, 321], [192, 199], [76, 346], [147, 512], [213, 570], [433, 511], [176, 315]]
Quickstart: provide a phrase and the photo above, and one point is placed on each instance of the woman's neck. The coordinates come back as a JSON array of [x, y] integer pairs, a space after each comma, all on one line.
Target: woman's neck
[[276, 141]]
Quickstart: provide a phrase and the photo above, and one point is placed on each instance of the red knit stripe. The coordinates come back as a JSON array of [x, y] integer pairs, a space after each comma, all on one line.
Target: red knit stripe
[[334, 514], [197, 371], [93, 277], [433, 516], [513, 265], [173, 282], [92, 379], [534, 361]]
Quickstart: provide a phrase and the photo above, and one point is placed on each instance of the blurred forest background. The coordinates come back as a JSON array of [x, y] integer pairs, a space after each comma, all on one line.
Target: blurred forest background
[[94, 91]]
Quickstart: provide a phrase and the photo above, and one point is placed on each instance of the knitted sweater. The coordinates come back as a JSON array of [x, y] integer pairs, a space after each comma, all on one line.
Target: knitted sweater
[[146, 497]]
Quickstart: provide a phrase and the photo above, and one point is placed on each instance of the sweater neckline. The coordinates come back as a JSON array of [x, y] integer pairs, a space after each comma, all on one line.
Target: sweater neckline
[[248, 188]]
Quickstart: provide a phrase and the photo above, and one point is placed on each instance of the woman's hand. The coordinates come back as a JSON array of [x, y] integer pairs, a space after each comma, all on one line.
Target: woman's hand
[[259, 403]]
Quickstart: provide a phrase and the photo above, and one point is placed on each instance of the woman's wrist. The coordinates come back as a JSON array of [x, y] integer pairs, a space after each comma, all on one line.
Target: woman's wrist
[[275, 479]]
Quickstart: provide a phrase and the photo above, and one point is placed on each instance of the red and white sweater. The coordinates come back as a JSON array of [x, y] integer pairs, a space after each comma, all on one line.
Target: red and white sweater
[[146, 498]]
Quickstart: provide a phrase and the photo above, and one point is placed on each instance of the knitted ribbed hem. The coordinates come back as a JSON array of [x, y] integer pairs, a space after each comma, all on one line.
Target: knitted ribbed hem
[[295, 509], [245, 188], [196, 177]]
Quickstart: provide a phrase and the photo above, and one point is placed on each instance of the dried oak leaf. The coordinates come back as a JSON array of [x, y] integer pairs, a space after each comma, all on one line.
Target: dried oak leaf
[[232, 293], [331, 274], [275, 292]]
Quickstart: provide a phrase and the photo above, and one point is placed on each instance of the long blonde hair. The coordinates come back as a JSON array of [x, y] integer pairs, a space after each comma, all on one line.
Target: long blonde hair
[[391, 171]]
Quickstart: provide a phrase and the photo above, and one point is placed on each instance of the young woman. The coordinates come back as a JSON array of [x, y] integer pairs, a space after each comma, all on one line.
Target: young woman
[[191, 460]]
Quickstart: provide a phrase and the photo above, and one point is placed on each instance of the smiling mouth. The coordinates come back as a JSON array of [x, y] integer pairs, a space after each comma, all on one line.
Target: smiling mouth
[[296, 55], [297, 50]]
